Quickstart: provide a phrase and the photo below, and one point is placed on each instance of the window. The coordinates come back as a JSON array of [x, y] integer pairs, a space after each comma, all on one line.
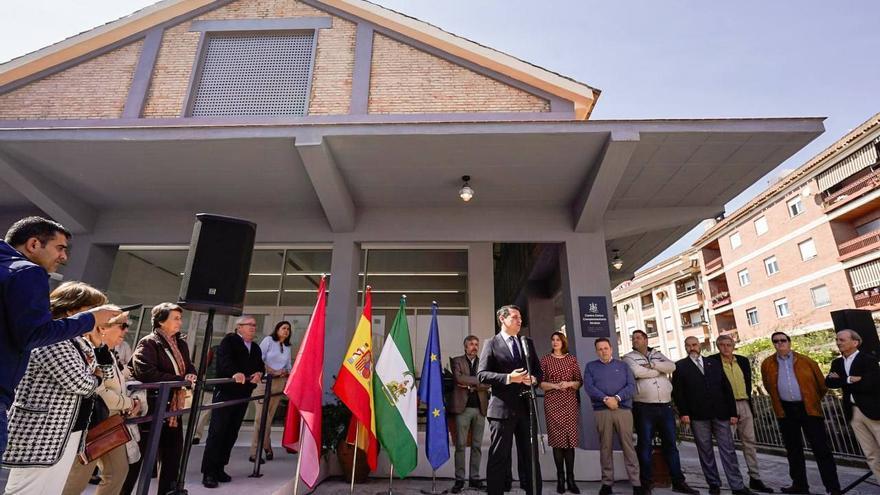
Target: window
[[735, 240], [872, 226], [771, 266], [254, 73], [761, 226], [752, 316], [807, 249], [795, 207], [744, 279], [782, 308], [820, 296]]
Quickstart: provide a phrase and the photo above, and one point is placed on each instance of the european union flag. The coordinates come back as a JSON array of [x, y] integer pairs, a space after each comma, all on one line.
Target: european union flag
[[431, 393]]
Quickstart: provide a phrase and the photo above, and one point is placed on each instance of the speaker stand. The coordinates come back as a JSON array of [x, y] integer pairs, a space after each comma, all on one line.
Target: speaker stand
[[194, 410]]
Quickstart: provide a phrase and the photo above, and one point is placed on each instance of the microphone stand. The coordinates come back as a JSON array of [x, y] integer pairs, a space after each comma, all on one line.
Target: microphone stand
[[533, 415]]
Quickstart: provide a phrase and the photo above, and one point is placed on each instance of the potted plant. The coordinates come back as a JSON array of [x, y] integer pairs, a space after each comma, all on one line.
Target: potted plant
[[334, 429]]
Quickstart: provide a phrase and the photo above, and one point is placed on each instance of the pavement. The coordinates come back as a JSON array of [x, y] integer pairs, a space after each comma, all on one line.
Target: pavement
[[278, 477]]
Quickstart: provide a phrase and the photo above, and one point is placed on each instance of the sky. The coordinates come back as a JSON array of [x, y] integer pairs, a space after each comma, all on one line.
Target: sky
[[651, 59]]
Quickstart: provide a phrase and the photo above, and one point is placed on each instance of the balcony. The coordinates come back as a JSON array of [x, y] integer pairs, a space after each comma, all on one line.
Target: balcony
[[859, 245], [867, 301], [685, 292], [850, 192], [714, 264], [721, 299]]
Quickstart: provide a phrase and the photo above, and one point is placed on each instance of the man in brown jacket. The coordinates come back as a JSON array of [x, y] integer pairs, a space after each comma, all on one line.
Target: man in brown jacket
[[796, 387], [468, 404]]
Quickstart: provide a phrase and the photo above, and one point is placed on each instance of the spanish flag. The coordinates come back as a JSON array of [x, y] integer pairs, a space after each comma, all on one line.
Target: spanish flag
[[354, 384]]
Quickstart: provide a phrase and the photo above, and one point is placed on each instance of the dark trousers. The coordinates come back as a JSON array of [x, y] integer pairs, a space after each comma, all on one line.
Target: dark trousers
[[3, 437], [222, 433], [795, 421], [502, 433], [168, 456], [650, 418]]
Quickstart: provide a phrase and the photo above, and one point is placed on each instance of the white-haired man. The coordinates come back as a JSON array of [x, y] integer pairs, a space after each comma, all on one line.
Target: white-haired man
[[858, 374], [239, 358]]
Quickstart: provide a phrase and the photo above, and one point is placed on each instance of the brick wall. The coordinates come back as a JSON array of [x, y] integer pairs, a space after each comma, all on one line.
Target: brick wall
[[94, 89], [334, 60], [404, 79]]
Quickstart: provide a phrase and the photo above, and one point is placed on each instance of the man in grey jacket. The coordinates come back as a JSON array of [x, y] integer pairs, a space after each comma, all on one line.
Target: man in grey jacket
[[652, 410]]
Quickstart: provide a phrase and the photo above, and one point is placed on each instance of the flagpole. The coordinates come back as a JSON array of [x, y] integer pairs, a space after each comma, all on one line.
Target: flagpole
[[357, 440], [298, 456]]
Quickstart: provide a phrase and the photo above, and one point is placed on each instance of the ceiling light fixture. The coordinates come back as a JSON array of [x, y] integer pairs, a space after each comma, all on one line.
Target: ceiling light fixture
[[466, 192], [616, 262]]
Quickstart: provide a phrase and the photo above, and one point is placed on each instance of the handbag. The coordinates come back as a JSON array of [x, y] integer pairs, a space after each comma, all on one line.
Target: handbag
[[104, 437]]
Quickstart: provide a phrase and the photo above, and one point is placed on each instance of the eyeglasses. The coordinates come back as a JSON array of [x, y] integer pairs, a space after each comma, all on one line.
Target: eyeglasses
[[780, 341], [247, 324]]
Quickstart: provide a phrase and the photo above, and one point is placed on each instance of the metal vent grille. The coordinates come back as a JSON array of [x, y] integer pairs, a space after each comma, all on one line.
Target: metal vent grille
[[263, 74]]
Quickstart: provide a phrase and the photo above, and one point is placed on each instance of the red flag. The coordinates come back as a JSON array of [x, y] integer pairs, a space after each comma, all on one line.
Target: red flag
[[305, 390]]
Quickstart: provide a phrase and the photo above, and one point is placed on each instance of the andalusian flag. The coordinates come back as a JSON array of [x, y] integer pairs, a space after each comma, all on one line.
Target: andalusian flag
[[354, 383], [395, 395], [431, 393]]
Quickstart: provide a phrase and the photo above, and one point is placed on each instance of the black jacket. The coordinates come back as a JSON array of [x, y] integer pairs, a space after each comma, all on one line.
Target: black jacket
[[746, 368], [702, 396], [233, 357], [496, 361], [865, 390]]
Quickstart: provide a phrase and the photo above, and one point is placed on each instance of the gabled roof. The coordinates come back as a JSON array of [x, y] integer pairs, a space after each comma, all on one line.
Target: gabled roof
[[583, 96]]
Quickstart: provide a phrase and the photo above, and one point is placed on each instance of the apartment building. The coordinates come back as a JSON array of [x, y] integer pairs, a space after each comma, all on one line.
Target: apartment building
[[667, 301], [806, 246]]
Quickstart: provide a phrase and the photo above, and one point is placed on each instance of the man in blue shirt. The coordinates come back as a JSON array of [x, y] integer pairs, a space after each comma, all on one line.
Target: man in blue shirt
[[33, 248], [610, 384]]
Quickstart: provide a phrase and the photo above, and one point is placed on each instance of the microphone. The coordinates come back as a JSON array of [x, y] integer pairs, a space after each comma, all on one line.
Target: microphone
[[524, 343]]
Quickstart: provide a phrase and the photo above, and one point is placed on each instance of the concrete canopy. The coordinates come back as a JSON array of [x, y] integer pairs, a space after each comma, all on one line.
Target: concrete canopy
[[640, 183]]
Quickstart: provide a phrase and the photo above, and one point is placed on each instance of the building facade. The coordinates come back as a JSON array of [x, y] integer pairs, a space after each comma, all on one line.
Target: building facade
[[343, 130], [806, 246]]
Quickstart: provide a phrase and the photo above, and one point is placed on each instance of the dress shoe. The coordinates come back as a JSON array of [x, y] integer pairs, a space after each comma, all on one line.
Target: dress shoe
[[456, 488], [223, 477], [269, 454], [605, 490], [209, 481], [196, 440], [508, 485], [742, 491], [572, 487], [477, 484], [253, 458], [683, 487], [834, 492], [759, 486], [794, 489], [714, 490]]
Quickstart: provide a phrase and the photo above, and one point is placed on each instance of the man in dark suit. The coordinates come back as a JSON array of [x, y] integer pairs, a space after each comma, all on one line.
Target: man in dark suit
[[502, 365], [858, 374], [705, 401], [468, 403], [239, 358], [738, 371]]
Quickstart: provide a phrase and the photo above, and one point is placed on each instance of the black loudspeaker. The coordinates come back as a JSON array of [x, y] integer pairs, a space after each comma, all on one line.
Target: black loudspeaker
[[218, 264], [861, 321]]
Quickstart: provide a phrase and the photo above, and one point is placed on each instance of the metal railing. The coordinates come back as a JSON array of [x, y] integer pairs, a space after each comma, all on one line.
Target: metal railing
[[714, 264], [869, 300], [159, 413], [841, 438]]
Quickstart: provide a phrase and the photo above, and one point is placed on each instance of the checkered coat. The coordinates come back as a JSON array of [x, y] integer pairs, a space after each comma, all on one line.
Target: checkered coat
[[47, 402]]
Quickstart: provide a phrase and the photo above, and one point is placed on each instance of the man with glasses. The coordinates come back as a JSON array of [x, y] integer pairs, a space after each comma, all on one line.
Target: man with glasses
[[739, 373], [796, 387], [239, 358]]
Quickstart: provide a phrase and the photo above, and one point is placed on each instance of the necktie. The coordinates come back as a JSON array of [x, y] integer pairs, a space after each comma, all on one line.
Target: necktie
[[699, 363], [515, 347]]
